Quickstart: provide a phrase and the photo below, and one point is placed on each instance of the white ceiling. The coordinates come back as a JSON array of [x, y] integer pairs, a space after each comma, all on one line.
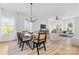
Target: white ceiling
[[43, 10]]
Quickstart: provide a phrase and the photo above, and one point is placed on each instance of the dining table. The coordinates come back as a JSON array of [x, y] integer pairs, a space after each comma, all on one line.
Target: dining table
[[30, 37]]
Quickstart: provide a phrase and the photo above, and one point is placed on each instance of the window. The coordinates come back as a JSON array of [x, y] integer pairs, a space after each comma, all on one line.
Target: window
[[28, 26], [70, 27], [7, 25]]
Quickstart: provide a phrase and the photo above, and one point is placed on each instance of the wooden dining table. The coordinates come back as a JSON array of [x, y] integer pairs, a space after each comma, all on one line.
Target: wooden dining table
[[34, 35], [30, 37]]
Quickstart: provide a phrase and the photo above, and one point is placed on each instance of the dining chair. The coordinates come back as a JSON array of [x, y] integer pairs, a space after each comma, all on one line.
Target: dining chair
[[23, 40], [18, 37], [41, 39]]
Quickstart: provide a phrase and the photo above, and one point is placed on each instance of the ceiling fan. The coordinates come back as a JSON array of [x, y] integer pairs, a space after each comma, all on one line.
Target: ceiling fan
[[57, 18]]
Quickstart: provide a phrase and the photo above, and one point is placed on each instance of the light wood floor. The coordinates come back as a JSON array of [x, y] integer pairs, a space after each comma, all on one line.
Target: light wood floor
[[3, 48], [52, 48]]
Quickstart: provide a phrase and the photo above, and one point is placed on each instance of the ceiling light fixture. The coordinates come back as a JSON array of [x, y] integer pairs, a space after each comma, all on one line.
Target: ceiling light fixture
[[31, 18], [57, 18]]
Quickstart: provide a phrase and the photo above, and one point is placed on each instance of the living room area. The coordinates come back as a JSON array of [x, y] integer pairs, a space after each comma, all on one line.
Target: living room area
[[39, 29]]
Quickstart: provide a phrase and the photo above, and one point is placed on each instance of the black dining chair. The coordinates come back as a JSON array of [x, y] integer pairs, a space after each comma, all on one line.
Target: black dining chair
[[22, 41], [18, 37], [37, 42]]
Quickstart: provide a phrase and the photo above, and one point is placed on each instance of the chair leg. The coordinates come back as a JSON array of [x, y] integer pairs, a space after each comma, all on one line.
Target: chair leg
[[44, 47], [33, 45], [29, 44], [22, 47], [26, 43], [18, 42], [37, 48]]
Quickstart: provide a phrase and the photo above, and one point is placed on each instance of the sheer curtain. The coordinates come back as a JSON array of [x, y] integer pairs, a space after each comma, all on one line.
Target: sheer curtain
[[28, 26], [7, 28]]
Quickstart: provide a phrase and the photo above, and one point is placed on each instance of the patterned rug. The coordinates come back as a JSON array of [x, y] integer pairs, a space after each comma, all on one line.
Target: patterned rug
[[51, 49]]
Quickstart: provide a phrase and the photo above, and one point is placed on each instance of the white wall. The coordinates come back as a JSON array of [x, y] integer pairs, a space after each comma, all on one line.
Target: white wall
[[76, 26], [0, 26], [19, 22], [36, 25]]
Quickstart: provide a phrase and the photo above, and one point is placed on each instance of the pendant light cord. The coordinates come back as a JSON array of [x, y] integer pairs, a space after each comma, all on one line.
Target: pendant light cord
[[31, 10]]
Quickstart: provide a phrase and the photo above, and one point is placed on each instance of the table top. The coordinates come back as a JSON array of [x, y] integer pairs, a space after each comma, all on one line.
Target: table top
[[26, 34]]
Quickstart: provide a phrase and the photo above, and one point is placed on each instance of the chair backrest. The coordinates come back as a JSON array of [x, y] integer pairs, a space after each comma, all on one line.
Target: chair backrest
[[42, 36], [19, 36]]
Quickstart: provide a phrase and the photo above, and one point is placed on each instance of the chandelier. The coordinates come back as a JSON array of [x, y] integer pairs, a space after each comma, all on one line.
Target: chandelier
[[31, 18]]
